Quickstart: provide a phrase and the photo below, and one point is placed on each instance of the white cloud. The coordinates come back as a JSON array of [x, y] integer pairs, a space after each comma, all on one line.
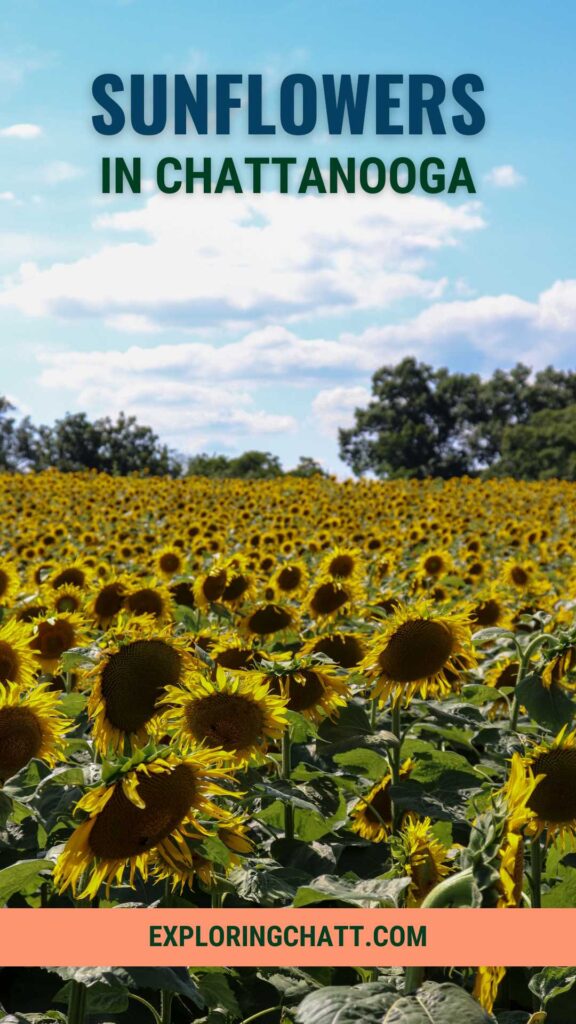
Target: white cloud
[[59, 171], [200, 262], [505, 176], [7, 197], [334, 407], [21, 131], [194, 391]]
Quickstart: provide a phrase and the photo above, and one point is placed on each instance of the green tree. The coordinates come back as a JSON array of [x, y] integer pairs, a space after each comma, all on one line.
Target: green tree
[[423, 422], [255, 465], [6, 434], [208, 465], [542, 448], [307, 467]]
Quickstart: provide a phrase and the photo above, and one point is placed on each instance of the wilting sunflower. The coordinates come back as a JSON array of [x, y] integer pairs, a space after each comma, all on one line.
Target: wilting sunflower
[[9, 584], [182, 868], [145, 810], [17, 663], [345, 649], [331, 597], [553, 800], [208, 589], [237, 714], [108, 601], [486, 985], [310, 689], [419, 652], [372, 815], [31, 726], [265, 619], [53, 636], [561, 669], [423, 857], [129, 683]]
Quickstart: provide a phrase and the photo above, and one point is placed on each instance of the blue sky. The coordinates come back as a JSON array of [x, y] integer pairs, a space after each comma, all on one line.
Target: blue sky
[[233, 322]]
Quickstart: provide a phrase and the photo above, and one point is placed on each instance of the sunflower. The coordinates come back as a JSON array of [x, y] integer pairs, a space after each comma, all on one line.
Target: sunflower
[[31, 726], [486, 985], [345, 649], [208, 589], [9, 584], [236, 714], [240, 584], [67, 598], [130, 682], [152, 598], [423, 857], [372, 815], [182, 593], [169, 562], [53, 636], [553, 799], [291, 578], [342, 564], [182, 868], [144, 811], [502, 674], [77, 574], [490, 610], [17, 663], [308, 688], [434, 563], [521, 575], [331, 597], [108, 601], [267, 618], [416, 651], [232, 652]]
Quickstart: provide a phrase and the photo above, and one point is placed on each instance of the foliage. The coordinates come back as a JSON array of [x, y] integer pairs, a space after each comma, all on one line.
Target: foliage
[[423, 422]]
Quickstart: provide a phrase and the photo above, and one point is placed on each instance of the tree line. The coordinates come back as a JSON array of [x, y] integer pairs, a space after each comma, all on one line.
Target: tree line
[[419, 422]]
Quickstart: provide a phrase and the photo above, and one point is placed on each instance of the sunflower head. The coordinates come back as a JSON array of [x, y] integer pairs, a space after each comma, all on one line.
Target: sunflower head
[[53, 636], [131, 680], [420, 652], [552, 800], [372, 815], [17, 664], [330, 597], [143, 812], [423, 857], [31, 726], [265, 619], [308, 688], [345, 649], [237, 714]]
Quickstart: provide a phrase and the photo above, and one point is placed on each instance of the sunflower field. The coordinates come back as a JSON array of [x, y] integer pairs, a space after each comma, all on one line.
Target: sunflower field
[[290, 693]]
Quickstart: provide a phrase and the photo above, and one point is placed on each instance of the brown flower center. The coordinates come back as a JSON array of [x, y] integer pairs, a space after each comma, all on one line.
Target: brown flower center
[[134, 679], [328, 598], [122, 830], [344, 649], [146, 601], [109, 600], [305, 689], [20, 739], [170, 562], [269, 619], [53, 638], [418, 649], [9, 663], [227, 720], [73, 575], [554, 799], [289, 578], [214, 585], [341, 565], [519, 576], [487, 613]]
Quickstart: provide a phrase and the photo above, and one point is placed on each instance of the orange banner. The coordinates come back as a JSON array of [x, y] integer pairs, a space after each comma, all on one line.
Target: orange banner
[[98, 938]]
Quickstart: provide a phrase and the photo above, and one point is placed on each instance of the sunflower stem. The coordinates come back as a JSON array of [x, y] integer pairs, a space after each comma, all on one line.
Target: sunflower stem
[[373, 713], [77, 1001], [140, 999], [286, 772], [166, 1006], [396, 758], [413, 979], [261, 1013], [536, 866]]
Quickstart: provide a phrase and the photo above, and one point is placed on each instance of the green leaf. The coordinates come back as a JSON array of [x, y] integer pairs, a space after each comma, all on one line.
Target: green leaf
[[22, 877], [365, 893], [550, 707], [564, 893], [371, 764], [377, 1004], [217, 993], [552, 982], [72, 704]]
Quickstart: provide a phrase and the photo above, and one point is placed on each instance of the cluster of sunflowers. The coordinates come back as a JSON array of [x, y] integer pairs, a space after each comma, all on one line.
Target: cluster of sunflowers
[[253, 692]]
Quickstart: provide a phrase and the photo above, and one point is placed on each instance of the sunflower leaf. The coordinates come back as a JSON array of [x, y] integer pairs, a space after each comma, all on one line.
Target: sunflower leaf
[[549, 706], [22, 877], [374, 892], [552, 982]]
